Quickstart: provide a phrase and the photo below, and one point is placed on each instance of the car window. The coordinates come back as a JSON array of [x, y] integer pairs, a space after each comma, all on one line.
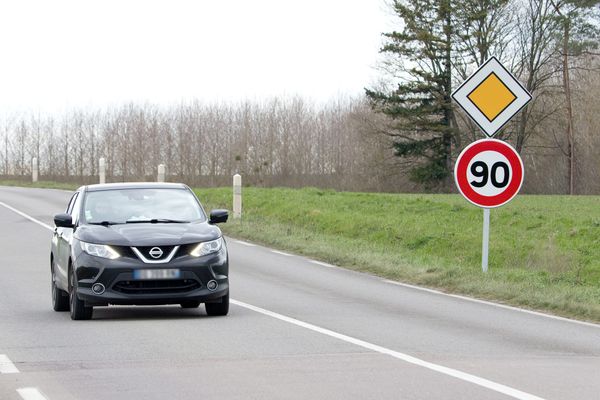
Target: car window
[[76, 208], [71, 203], [130, 205]]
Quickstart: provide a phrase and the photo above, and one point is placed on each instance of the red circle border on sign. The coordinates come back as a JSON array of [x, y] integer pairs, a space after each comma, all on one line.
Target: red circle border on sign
[[465, 157]]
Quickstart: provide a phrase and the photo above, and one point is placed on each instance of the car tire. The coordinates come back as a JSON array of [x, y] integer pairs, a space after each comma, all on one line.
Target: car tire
[[79, 311], [219, 308], [60, 298], [190, 304]]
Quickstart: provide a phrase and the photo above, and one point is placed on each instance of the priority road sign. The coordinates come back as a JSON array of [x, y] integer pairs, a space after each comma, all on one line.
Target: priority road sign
[[489, 173], [491, 96]]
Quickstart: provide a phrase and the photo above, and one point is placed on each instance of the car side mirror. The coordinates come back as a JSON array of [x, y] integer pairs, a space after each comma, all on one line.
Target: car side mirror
[[63, 221], [217, 216]]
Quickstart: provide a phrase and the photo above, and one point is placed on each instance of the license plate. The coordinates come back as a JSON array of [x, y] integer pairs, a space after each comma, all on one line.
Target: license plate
[[156, 274]]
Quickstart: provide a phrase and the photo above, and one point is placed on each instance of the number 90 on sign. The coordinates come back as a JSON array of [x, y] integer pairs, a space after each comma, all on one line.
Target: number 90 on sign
[[489, 173]]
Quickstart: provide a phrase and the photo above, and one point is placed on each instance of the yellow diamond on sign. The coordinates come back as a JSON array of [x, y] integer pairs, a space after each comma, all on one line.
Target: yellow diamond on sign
[[491, 96]]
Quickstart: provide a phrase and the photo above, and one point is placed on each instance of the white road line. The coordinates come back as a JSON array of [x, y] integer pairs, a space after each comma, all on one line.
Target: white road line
[[489, 303], [6, 366], [423, 289], [282, 253], [31, 394], [27, 216], [322, 264], [244, 243], [497, 387]]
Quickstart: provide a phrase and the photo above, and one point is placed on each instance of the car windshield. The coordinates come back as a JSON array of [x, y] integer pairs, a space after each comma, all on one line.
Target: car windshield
[[121, 206]]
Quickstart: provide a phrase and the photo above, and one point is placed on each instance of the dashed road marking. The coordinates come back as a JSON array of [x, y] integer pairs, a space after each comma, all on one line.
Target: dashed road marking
[[244, 243], [323, 264], [282, 253], [31, 394], [6, 366]]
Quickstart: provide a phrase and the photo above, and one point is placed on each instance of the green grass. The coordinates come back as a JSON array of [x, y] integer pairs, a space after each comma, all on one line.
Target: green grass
[[544, 250]]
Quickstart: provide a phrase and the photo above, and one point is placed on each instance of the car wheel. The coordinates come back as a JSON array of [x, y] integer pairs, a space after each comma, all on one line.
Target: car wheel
[[78, 308], [220, 308], [60, 298], [190, 304]]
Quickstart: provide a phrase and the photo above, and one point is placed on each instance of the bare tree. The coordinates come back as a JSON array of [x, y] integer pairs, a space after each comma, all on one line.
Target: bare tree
[[534, 63]]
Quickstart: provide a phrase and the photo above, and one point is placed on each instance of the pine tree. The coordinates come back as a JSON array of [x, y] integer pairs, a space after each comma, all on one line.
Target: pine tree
[[424, 125]]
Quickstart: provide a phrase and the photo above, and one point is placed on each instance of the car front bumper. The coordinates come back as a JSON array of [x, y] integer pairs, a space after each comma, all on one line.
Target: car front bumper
[[121, 287]]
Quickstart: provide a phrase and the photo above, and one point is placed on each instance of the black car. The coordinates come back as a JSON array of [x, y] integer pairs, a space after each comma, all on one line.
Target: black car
[[138, 243]]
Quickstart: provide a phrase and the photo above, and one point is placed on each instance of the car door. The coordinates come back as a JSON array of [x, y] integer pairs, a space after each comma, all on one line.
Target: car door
[[63, 243]]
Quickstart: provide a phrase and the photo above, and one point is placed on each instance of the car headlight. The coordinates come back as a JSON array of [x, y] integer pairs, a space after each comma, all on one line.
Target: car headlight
[[100, 250], [206, 248]]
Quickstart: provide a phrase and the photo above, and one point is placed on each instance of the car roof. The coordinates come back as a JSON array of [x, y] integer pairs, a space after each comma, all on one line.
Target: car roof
[[134, 185]]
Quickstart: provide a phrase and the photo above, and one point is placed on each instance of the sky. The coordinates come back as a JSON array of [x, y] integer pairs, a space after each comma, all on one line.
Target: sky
[[59, 55]]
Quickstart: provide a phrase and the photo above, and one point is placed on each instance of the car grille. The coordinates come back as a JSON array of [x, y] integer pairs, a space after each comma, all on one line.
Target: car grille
[[146, 250], [156, 286], [125, 251]]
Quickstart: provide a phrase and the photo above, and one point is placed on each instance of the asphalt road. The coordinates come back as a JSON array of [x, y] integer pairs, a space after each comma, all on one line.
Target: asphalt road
[[297, 329]]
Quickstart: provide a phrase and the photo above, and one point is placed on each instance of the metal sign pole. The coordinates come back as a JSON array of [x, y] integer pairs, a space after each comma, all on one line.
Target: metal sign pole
[[486, 240]]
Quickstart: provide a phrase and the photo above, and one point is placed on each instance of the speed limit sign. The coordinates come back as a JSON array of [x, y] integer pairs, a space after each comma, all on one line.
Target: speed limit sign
[[489, 173]]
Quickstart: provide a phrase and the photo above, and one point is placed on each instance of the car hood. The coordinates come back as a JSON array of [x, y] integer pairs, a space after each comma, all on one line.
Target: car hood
[[160, 234]]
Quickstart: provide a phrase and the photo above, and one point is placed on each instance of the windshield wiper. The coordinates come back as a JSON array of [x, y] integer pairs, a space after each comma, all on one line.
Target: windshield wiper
[[156, 221], [105, 223]]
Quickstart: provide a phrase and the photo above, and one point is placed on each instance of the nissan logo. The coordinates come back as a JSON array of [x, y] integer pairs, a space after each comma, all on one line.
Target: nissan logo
[[155, 252]]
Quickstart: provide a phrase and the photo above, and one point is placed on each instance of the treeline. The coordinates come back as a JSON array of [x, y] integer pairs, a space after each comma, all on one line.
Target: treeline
[[280, 142], [292, 142]]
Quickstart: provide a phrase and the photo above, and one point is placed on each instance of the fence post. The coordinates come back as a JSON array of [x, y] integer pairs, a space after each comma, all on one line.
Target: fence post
[[237, 196], [161, 173], [34, 169], [102, 169]]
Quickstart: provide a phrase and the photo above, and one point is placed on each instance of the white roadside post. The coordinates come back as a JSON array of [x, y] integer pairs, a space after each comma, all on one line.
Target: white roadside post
[[34, 169], [161, 173], [489, 172], [237, 196], [102, 169]]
